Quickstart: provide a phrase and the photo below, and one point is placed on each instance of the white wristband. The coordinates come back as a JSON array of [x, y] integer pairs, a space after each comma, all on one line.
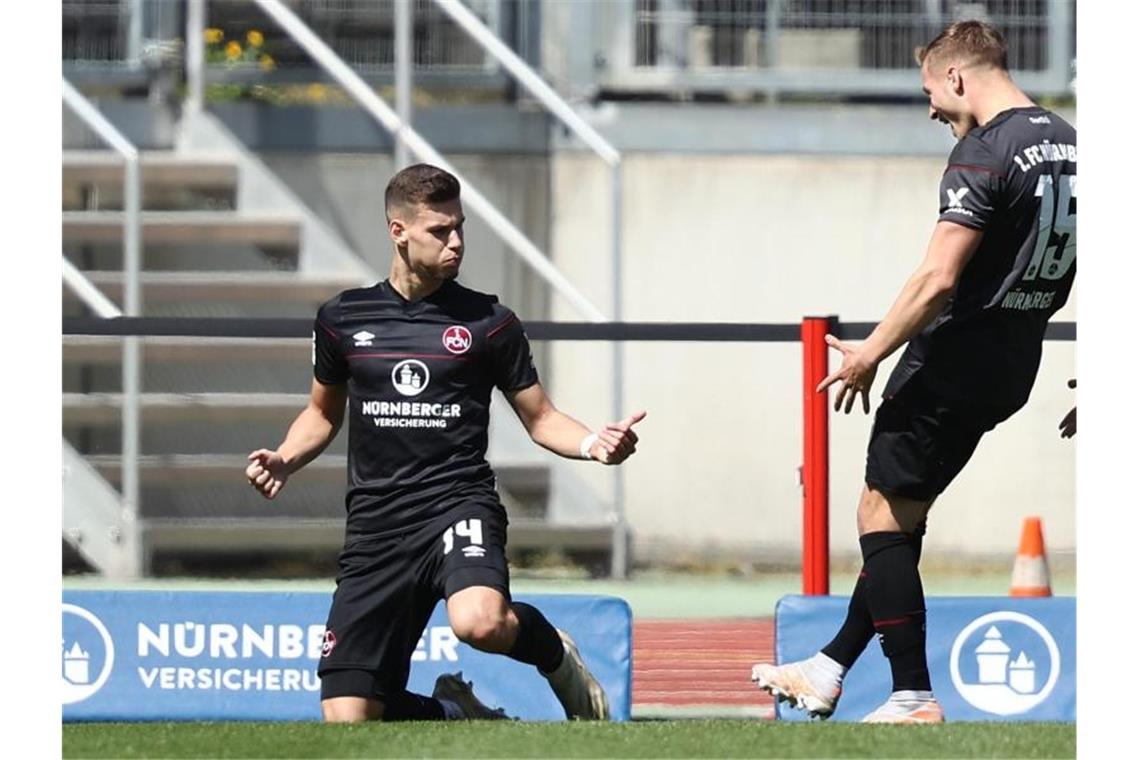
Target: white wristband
[[587, 444]]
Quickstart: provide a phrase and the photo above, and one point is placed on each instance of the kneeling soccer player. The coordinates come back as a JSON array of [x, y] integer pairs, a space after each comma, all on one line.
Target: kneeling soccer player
[[416, 358]]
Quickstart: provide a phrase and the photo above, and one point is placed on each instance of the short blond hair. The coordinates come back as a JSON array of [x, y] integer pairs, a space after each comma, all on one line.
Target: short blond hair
[[974, 41]]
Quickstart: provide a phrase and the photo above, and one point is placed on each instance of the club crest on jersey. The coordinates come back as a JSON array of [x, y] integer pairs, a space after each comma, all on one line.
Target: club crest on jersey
[[410, 377], [363, 338], [457, 339], [328, 643]]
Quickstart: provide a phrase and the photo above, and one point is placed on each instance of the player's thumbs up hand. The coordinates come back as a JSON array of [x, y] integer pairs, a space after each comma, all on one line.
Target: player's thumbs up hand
[[631, 420], [617, 441]]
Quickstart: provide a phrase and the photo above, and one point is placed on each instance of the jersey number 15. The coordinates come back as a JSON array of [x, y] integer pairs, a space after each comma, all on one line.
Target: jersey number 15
[[1056, 229]]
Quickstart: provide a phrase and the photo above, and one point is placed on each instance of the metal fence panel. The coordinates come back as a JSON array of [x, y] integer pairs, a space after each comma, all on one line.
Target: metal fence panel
[[824, 45], [361, 31]]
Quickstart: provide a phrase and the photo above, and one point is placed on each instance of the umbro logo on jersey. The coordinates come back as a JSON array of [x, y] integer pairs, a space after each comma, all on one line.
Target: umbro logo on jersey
[[474, 552], [363, 338], [956, 196], [457, 339]]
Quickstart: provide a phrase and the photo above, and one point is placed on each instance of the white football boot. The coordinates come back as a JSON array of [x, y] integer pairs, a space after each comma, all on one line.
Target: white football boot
[[908, 707], [582, 697], [812, 685]]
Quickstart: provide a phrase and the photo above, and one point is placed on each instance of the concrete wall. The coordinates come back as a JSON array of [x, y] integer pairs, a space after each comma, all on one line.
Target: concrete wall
[[771, 238]]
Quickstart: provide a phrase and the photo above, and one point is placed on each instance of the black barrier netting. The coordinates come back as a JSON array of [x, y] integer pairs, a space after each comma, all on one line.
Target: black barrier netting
[[606, 331]]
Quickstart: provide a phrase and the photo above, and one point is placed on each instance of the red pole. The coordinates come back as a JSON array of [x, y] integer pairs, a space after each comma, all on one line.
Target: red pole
[[815, 467]]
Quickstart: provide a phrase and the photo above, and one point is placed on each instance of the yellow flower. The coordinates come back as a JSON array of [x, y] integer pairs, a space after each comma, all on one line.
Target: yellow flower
[[233, 50], [214, 36], [255, 38], [315, 92], [266, 62]]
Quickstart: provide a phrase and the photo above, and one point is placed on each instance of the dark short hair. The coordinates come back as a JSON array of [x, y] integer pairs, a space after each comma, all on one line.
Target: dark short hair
[[419, 183], [975, 41]]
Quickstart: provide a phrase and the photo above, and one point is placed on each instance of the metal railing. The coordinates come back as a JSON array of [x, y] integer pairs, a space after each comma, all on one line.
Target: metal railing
[[350, 28], [102, 32], [113, 39], [132, 292], [821, 47], [537, 87], [840, 47], [90, 295], [375, 106], [410, 142], [113, 33]]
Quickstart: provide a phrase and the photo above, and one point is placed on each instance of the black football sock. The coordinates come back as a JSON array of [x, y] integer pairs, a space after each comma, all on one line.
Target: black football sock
[[410, 706], [856, 631], [897, 605], [916, 540], [857, 628], [538, 642]]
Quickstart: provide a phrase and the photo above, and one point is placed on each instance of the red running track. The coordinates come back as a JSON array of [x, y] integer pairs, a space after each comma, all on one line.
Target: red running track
[[700, 662]]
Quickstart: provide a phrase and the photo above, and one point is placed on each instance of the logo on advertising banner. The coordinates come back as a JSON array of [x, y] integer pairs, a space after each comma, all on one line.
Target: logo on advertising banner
[[88, 654], [1005, 663], [990, 658]]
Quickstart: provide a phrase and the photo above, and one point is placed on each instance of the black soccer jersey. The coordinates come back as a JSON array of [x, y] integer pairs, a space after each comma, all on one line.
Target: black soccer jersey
[[419, 392], [1015, 178]]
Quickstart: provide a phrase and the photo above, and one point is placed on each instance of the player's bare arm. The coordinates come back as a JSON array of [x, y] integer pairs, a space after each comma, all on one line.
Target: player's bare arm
[[309, 435], [922, 298], [564, 435]]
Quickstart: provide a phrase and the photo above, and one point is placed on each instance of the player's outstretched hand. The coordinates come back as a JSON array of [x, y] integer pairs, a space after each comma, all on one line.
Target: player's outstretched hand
[[856, 374], [617, 441], [266, 472], [1068, 426]]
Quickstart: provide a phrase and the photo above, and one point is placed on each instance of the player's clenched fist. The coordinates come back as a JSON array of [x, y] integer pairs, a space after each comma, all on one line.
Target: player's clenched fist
[[266, 472], [616, 441]]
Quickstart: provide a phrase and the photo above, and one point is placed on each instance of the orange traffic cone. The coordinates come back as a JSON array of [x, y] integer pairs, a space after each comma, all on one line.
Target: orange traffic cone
[[1030, 571]]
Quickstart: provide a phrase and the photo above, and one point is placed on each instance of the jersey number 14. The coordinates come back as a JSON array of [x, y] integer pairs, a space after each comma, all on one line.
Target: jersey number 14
[[1056, 229], [471, 529]]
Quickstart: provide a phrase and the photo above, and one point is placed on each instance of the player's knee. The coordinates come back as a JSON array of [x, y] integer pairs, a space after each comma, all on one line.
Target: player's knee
[[872, 507], [351, 710], [880, 512], [482, 628]]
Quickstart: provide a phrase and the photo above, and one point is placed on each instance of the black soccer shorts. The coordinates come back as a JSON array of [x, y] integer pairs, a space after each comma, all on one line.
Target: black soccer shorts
[[920, 443], [386, 591]]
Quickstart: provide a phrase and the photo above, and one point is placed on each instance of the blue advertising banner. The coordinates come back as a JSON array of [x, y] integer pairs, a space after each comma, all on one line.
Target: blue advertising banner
[[990, 658], [183, 655]]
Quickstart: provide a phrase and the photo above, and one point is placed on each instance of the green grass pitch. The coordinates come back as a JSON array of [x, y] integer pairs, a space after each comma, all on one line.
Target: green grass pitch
[[638, 739]]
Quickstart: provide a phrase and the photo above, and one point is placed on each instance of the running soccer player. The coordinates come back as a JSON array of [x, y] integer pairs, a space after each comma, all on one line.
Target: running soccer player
[[1000, 262], [416, 358]]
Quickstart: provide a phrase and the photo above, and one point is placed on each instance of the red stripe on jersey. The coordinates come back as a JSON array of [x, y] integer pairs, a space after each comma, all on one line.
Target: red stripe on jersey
[[973, 168], [890, 622], [329, 330], [449, 357], [493, 330]]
